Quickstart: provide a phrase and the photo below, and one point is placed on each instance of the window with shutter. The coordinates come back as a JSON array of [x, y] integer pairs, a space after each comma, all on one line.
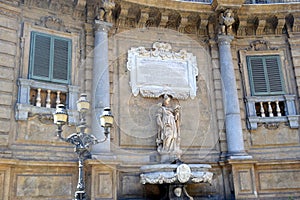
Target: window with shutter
[[265, 75], [50, 58]]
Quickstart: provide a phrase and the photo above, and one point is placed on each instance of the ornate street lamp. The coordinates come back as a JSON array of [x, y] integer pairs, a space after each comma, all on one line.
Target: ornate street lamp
[[81, 140]]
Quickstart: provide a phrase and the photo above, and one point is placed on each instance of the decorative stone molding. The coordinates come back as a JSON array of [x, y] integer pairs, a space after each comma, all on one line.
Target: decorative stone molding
[[260, 45], [174, 20], [174, 173], [154, 18], [133, 16], [193, 23], [272, 125], [52, 22], [66, 7], [174, 72], [79, 8]]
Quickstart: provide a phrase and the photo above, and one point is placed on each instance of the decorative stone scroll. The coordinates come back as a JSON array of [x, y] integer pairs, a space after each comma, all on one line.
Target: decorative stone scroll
[[159, 70]]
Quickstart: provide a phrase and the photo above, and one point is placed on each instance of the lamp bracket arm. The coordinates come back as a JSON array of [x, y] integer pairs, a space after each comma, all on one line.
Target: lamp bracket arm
[[100, 141], [59, 133]]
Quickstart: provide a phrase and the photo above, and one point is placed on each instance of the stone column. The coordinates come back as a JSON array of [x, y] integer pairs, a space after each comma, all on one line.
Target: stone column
[[234, 133], [101, 92]]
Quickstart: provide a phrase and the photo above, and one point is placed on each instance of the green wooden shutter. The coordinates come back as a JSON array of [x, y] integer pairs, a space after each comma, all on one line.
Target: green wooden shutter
[[61, 60], [50, 58], [265, 75], [274, 74], [40, 57]]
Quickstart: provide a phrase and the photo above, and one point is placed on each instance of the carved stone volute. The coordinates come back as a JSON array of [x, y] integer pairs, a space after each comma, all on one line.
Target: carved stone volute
[[174, 20], [154, 18], [133, 16]]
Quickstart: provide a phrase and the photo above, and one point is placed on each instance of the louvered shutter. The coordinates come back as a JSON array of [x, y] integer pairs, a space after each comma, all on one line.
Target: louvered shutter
[[274, 74], [265, 75], [61, 59], [40, 57], [50, 58]]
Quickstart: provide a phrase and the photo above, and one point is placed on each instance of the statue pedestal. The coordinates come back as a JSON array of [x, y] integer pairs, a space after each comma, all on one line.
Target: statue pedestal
[[170, 157]]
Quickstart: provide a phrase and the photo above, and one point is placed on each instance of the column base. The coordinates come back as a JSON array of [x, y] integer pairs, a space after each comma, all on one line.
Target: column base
[[104, 157], [238, 156]]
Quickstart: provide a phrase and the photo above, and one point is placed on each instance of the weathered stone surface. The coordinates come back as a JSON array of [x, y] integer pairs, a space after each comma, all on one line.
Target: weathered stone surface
[[7, 73], [4, 112], [266, 135], [8, 47], [5, 126], [7, 86], [47, 185], [7, 60], [134, 132]]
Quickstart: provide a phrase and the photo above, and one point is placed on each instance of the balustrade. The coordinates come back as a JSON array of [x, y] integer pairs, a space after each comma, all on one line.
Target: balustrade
[[37, 97], [46, 98], [271, 109]]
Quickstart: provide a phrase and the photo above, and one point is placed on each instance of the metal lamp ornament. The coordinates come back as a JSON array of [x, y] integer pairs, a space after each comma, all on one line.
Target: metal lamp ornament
[[81, 140]]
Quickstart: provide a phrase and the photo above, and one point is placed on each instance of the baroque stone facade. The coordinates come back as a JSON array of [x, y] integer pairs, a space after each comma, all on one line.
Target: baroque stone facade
[[251, 141]]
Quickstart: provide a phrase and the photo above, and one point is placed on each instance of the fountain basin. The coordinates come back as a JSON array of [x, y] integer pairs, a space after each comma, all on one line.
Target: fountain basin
[[176, 173]]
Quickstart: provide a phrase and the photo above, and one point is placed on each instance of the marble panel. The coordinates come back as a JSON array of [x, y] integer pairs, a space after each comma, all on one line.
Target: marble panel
[[161, 71]]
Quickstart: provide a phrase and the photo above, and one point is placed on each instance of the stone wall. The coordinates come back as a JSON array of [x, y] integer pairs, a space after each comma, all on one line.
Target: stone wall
[[35, 164]]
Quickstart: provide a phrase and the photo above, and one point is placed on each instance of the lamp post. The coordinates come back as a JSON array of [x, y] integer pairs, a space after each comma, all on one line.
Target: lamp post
[[81, 140]]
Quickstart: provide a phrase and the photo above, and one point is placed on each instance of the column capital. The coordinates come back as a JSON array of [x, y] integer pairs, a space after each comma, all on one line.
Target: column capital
[[224, 39], [102, 26]]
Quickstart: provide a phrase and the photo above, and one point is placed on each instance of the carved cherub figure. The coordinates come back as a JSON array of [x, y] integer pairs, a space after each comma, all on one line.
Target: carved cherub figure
[[103, 12], [226, 20]]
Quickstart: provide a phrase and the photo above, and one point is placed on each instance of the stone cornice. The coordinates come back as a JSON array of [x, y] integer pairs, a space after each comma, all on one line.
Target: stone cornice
[[174, 5], [200, 19]]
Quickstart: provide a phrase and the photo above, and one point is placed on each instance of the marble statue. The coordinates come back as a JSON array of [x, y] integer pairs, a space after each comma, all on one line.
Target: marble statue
[[226, 20], [168, 121]]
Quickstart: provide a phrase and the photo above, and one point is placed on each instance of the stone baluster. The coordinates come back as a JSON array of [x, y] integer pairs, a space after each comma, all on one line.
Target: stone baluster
[[48, 99], [234, 133], [278, 109], [101, 86], [270, 110], [57, 97], [262, 110], [38, 98]]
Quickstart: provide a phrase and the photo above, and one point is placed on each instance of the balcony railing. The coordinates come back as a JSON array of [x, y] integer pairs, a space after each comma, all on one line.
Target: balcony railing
[[41, 98], [271, 109], [270, 1]]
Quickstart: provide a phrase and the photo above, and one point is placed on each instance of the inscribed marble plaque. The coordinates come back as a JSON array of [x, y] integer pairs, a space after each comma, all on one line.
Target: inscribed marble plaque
[[159, 70]]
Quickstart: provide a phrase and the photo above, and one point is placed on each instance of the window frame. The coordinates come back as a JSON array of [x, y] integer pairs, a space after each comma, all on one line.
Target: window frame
[[266, 75], [50, 77], [253, 120], [23, 108], [281, 53]]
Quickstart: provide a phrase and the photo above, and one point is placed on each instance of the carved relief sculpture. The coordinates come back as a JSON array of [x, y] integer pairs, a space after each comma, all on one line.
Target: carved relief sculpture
[[226, 21]]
